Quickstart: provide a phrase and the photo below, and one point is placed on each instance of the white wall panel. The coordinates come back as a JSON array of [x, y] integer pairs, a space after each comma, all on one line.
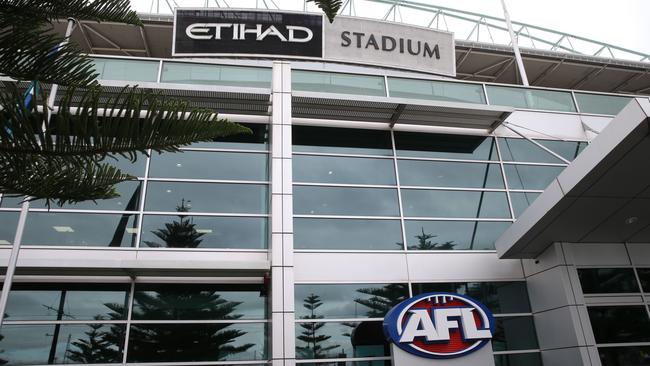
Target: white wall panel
[[544, 125], [640, 253], [350, 267], [597, 254], [450, 266]]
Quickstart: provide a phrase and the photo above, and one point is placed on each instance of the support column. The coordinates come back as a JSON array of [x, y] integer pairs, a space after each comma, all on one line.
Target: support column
[[282, 303], [563, 328]]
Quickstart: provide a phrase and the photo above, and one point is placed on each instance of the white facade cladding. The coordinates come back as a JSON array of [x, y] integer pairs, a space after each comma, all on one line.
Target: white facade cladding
[[359, 187]]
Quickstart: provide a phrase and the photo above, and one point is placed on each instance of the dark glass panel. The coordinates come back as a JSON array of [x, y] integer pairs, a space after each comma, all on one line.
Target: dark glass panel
[[197, 342], [431, 145], [99, 230], [624, 356], [499, 297], [522, 150], [341, 140], [348, 301], [607, 280], [436, 90], [9, 222], [514, 333], [345, 340], [210, 165], [126, 70], [206, 74], [531, 176], [128, 200], [456, 235], [347, 234], [566, 149], [258, 139], [518, 359], [339, 83], [336, 169], [207, 197], [62, 344], [644, 276], [619, 324], [67, 301], [198, 302], [204, 232], [550, 100], [521, 201], [312, 200], [134, 168], [461, 204], [447, 174]]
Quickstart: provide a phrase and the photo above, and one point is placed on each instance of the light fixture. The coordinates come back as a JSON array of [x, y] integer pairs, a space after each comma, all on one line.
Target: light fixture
[[63, 229], [179, 165], [631, 220], [204, 231]]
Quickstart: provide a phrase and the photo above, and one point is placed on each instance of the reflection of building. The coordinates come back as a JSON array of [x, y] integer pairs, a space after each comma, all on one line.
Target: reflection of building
[[360, 184]]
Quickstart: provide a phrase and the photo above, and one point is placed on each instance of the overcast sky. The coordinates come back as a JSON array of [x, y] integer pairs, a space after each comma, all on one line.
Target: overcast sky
[[620, 22]]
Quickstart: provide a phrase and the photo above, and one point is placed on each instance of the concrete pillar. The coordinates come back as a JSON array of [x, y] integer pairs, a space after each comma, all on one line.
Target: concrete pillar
[[281, 253], [561, 320]]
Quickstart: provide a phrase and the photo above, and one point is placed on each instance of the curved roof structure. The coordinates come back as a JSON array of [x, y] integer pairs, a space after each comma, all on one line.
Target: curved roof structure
[[483, 53]]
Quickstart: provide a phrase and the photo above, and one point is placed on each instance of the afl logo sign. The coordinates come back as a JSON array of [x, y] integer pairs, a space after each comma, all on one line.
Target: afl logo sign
[[439, 325]]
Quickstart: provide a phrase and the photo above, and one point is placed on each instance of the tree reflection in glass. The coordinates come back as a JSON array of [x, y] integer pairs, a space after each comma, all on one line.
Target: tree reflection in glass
[[314, 342], [425, 243], [178, 234]]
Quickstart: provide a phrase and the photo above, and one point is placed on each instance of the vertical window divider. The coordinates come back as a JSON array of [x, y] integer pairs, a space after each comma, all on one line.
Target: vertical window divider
[[503, 174], [399, 193], [386, 89], [575, 101], [143, 194], [127, 331], [485, 93], [160, 68]]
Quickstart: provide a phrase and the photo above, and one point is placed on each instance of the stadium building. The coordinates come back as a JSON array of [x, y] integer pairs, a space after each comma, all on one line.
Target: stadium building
[[386, 160]]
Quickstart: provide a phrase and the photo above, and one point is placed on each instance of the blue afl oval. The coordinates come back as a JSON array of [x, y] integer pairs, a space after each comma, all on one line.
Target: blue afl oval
[[439, 325]]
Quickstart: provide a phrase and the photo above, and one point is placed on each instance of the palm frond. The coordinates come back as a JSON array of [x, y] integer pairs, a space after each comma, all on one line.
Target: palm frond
[[329, 7], [33, 53], [57, 179], [87, 128], [32, 11]]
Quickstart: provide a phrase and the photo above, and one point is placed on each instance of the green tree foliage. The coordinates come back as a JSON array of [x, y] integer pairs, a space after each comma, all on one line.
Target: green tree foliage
[[382, 298], [329, 7], [314, 343], [54, 152]]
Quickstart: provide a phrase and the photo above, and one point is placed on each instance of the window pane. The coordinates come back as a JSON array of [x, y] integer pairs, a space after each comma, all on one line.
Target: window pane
[[127, 70], [347, 234], [514, 333], [210, 165], [258, 139], [619, 324], [607, 280], [601, 104], [436, 90], [207, 197], [33, 344], [425, 203], [348, 363], [328, 169], [550, 100], [566, 149], [67, 302], [456, 235], [345, 201], [204, 232], [518, 359], [429, 145], [329, 82], [344, 340], [644, 275], [198, 302], [446, 174], [205, 74], [531, 176], [99, 230], [135, 168], [128, 200], [624, 356], [8, 228], [521, 201], [499, 297], [522, 150], [341, 140], [348, 301], [197, 342]]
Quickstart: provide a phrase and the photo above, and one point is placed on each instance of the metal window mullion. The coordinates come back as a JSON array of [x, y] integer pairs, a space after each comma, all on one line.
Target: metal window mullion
[[575, 101], [160, 69], [338, 320], [129, 315], [505, 179], [401, 207], [487, 99], [218, 181], [143, 195], [638, 281], [208, 214]]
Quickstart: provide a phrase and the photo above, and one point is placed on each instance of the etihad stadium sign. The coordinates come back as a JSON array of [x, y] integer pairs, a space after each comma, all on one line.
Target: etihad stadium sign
[[279, 34]]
